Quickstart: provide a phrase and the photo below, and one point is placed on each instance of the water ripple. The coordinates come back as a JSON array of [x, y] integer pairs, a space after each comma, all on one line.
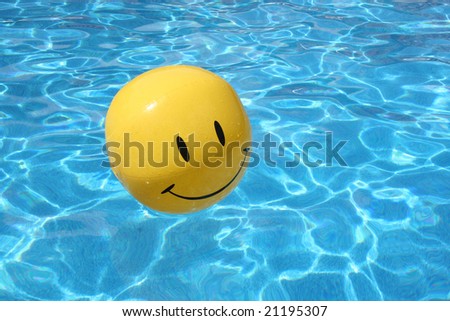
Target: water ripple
[[375, 74]]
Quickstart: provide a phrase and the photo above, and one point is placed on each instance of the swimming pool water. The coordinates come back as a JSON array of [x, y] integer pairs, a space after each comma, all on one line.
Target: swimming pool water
[[374, 73]]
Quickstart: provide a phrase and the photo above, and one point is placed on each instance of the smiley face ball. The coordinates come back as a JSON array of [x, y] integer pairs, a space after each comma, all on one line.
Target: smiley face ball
[[178, 138]]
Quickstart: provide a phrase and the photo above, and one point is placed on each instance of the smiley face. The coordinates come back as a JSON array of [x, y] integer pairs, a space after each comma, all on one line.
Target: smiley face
[[179, 138], [181, 145]]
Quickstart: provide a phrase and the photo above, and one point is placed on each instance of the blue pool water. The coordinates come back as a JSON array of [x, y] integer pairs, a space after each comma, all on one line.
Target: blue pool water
[[375, 74]]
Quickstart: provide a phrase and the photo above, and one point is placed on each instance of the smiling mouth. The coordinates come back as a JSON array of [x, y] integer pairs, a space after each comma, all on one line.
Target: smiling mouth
[[169, 188]]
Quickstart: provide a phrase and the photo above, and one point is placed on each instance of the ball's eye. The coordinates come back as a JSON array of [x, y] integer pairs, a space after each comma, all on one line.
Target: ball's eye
[[219, 132], [183, 148]]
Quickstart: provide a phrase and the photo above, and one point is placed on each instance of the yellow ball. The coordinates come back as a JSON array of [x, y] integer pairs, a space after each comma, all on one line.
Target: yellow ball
[[178, 138]]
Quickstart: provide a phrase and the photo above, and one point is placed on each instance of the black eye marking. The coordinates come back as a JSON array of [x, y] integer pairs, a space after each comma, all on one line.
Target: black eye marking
[[183, 148], [219, 132]]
